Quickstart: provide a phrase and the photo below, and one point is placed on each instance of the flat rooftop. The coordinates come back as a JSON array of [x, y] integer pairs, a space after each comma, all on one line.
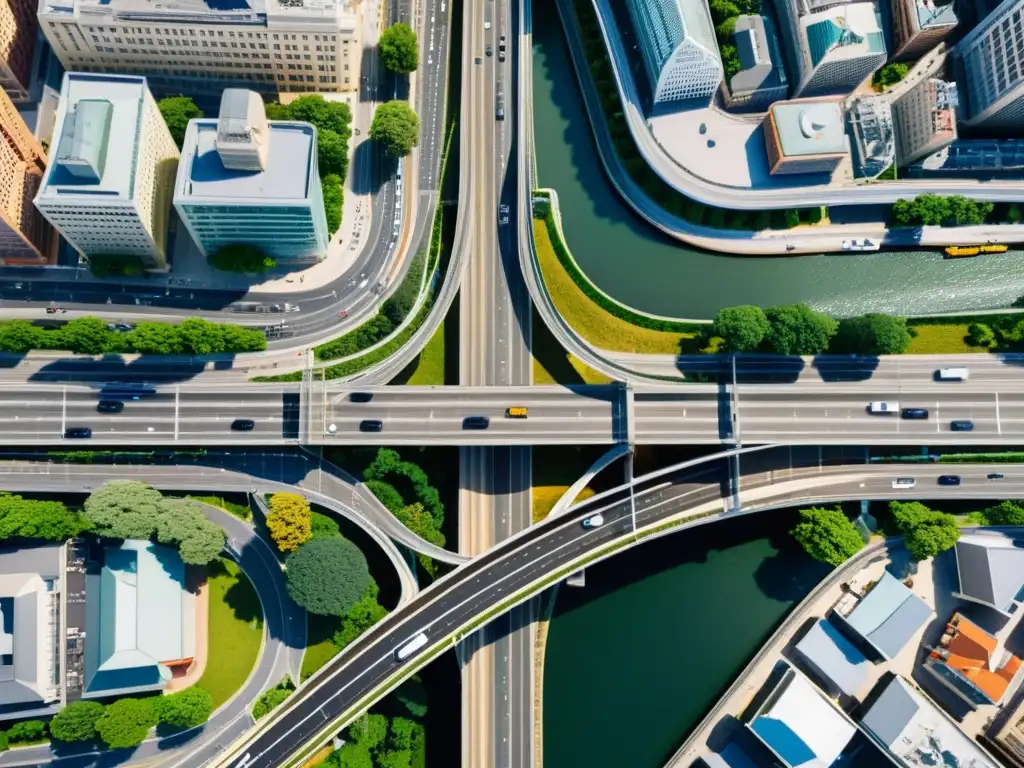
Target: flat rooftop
[[810, 127], [202, 176], [89, 133]]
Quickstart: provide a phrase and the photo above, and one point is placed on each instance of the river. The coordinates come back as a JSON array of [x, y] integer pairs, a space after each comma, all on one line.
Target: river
[[635, 264]]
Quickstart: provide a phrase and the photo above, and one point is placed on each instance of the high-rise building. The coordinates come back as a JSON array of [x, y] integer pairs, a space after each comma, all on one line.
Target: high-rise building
[[25, 236], [762, 78], [245, 181], [805, 136], [678, 47], [18, 28], [920, 26], [112, 165], [924, 119], [835, 45], [992, 62], [270, 45]]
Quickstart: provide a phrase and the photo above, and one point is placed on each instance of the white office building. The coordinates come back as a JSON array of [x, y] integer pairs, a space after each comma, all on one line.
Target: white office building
[[992, 63], [678, 47], [112, 165], [271, 45]]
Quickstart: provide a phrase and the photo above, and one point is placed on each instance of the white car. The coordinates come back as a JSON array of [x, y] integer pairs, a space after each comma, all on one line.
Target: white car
[[594, 521], [904, 482], [883, 406], [487, 25]]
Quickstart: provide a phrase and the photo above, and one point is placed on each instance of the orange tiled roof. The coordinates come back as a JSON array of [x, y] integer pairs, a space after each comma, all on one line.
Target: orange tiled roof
[[970, 653]]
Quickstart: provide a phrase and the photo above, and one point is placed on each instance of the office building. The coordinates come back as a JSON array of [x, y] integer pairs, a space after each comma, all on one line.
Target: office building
[[244, 180], [679, 49], [974, 157], [26, 238], [805, 136], [874, 147], [924, 119], [18, 28], [761, 80], [112, 165], [270, 45], [991, 59], [835, 46], [920, 26]]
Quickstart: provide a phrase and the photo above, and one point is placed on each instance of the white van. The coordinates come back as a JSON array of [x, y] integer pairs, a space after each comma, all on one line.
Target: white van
[[953, 374], [883, 406], [904, 482]]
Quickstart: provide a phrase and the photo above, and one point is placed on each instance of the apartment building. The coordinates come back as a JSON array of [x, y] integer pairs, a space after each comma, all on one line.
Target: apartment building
[[18, 28], [991, 60], [26, 238], [112, 166], [920, 26], [268, 45], [924, 119]]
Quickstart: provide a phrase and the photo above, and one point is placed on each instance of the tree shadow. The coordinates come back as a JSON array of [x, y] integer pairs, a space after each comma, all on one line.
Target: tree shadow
[[845, 367], [108, 368], [789, 574], [242, 599], [551, 355]]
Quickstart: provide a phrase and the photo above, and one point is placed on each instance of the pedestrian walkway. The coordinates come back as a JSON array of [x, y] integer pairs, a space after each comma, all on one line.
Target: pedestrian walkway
[[198, 666]]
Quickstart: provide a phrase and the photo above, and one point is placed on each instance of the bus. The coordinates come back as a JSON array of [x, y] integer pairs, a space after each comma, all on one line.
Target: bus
[[411, 646]]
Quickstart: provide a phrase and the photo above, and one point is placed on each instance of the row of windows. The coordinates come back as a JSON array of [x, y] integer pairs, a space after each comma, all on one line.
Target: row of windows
[[175, 31]]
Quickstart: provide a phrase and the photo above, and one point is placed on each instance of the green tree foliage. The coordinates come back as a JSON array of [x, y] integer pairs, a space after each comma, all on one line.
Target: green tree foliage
[[105, 265], [289, 521], [272, 697], [126, 722], [34, 519], [323, 527], [19, 336], [327, 576], [980, 335], [77, 721], [422, 523], [741, 328], [360, 617], [333, 120], [182, 524], [332, 154], [88, 335], [353, 755], [413, 696], [1013, 213], [926, 532], [827, 535], [387, 494], [1003, 513], [330, 185], [388, 465], [366, 335], [242, 257], [185, 709], [872, 334], [396, 126], [797, 329], [936, 210], [369, 730], [3, 741], [401, 734], [177, 111], [27, 732], [889, 75], [398, 48]]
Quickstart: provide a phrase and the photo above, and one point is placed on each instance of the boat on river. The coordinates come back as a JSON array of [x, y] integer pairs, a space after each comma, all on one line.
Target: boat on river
[[960, 251], [994, 248]]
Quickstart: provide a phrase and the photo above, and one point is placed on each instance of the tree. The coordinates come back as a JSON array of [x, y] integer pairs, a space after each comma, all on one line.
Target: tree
[[401, 758], [177, 111], [184, 709], [323, 527], [242, 257], [126, 722], [34, 519], [369, 730], [184, 525], [289, 521], [742, 328], [350, 756], [327, 576], [397, 127], [386, 494], [399, 49], [18, 336], [330, 185], [926, 532], [1003, 513], [124, 509], [872, 334], [1013, 213], [792, 218], [827, 535], [272, 697], [77, 721], [401, 733], [889, 75], [325, 115], [332, 154], [88, 335], [153, 339], [27, 731], [360, 617], [797, 329], [980, 335], [200, 337]]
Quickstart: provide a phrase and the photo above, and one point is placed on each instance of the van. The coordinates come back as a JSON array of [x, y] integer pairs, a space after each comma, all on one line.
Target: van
[[883, 406], [517, 412], [953, 374], [904, 482]]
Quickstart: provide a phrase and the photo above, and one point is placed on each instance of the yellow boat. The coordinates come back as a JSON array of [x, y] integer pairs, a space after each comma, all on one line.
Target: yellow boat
[[955, 251], [994, 248]]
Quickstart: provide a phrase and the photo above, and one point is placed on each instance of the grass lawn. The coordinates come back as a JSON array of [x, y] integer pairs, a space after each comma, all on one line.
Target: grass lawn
[[553, 365], [941, 339], [319, 646], [555, 468], [235, 630], [428, 367], [589, 320], [240, 511]]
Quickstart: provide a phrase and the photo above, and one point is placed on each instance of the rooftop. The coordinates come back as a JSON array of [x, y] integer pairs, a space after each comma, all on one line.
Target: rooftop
[[888, 616], [977, 657], [759, 56], [931, 14], [991, 569], [834, 657], [202, 176], [853, 27], [209, 11], [810, 127]]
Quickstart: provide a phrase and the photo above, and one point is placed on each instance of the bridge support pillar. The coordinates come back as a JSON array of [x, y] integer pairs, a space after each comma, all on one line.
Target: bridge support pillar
[[629, 412]]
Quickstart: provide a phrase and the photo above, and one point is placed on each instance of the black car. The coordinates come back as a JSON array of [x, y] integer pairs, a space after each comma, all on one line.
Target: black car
[[476, 422], [109, 406], [243, 425], [371, 425], [915, 413], [78, 432], [995, 475], [360, 397], [962, 426], [949, 479]]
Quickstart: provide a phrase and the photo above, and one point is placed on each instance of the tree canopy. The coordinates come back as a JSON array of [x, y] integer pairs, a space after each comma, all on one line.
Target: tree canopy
[[1003, 513], [126, 722], [399, 49], [185, 709], [35, 519], [936, 210], [889, 75], [327, 576], [827, 535], [796, 329], [360, 617], [242, 257], [741, 328], [77, 721], [177, 111], [396, 126], [289, 521], [872, 334], [272, 698], [926, 532]]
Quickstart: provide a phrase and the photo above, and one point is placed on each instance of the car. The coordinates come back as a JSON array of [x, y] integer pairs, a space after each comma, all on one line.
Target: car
[[904, 482], [243, 425], [949, 479], [517, 412], [360, 397], [487, 25], [962, 425], [110, 406], [78, 432], [883, 406], [476, 422], [371, 425], [953, 374], [594, 521], [123, 327], [488, 50], [995, 475], [914, 413], [501, 53]]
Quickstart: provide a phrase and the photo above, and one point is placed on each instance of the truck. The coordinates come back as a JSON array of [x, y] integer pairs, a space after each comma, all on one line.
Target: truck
[[411, 646]]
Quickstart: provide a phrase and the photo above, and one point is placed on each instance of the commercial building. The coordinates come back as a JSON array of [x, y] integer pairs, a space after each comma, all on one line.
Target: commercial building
[[874, 145], [244, 180], [112, 166], [18, 32], [975, 158], [834, 46], [833, 659], [920, 26], [762, 78], [140, 620], [990, 567], [991, 59], [679, 49], [30, 640], [924, 118], [972, 663], [885, 619], [26, 238], [805, 136], [271, 45]]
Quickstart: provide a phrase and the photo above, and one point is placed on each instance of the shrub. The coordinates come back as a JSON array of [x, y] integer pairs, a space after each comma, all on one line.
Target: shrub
[[116, 265], [272, 697], [323, 527], [980, 335], [26, 732], [126, 722], [184, 709], [242, 257], [77, 721], [35, 519], [327, 576]]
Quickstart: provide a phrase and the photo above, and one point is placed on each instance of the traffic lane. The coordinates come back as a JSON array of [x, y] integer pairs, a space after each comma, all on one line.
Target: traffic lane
[[492, 395], [495, 411], [434, 424]]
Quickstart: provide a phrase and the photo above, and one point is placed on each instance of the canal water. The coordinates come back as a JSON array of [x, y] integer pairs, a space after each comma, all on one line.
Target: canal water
[[636, 658], [632, 262]]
